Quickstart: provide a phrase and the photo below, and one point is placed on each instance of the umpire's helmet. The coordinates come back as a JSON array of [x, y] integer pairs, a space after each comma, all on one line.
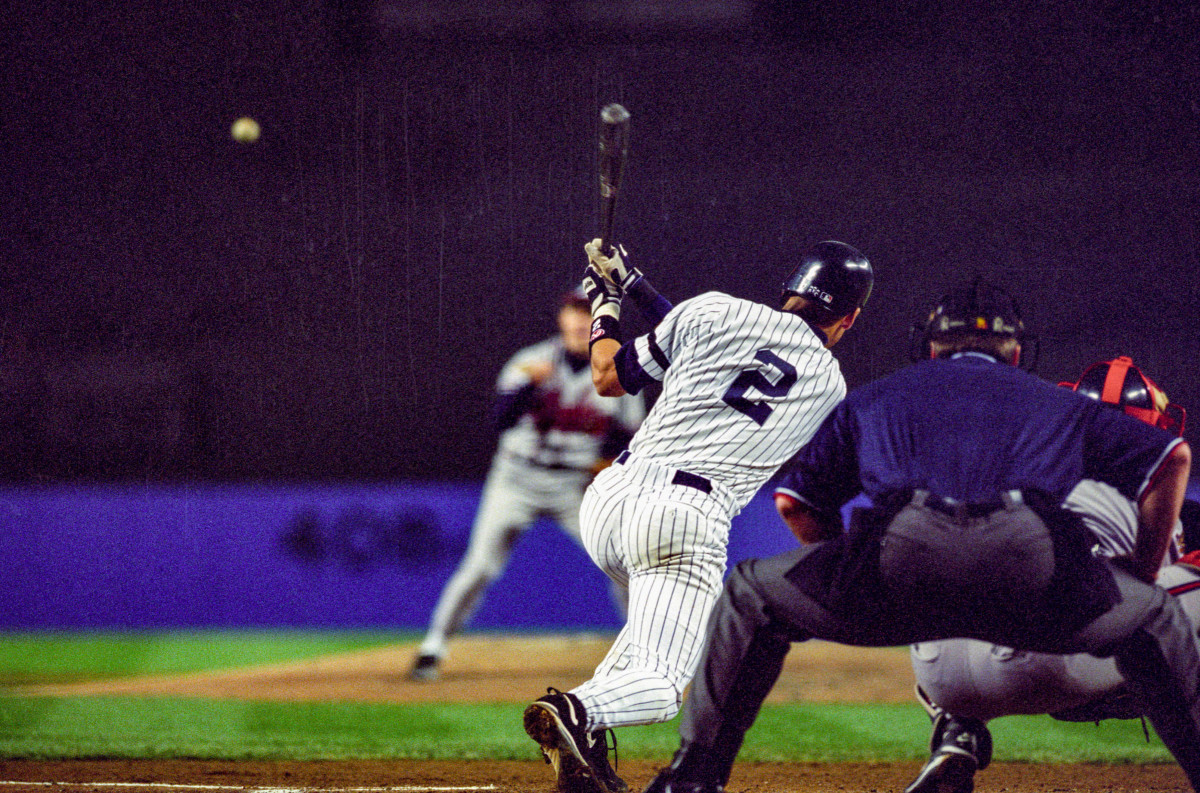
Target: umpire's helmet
[[978, 310], [833, 275], [1119, 382]]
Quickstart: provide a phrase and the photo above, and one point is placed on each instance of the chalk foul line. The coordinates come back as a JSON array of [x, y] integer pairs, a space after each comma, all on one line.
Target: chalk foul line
[[249, 789]]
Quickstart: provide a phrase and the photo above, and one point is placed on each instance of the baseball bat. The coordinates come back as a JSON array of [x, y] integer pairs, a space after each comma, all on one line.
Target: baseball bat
[[614, 148]]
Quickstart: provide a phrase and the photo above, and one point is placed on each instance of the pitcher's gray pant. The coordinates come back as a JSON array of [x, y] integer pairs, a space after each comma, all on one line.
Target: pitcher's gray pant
[[761, 612]]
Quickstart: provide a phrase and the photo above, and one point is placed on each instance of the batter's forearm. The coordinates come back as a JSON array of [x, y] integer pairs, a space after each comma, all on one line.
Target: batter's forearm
[[604, 367], [652, 305]]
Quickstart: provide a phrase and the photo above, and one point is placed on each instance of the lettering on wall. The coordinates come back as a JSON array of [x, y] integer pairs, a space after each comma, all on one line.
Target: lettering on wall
[[359, 537]]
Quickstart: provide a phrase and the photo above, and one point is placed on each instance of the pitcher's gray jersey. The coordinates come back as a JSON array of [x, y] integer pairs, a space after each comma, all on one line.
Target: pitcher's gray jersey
[[743, 387], [566, 422]]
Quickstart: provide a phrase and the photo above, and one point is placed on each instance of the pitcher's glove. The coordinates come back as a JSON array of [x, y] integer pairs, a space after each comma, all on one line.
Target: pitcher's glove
[[612, 267]]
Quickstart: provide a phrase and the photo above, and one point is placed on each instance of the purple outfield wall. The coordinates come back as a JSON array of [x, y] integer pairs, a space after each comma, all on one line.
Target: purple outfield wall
[[249, 556]]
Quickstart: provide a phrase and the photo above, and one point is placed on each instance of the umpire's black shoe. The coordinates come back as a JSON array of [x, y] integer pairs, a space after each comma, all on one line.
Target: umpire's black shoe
[[665, 782], [579, 757], [960, 747]]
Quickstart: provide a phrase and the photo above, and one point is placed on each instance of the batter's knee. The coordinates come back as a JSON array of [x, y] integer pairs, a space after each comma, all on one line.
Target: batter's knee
[[665, 703]]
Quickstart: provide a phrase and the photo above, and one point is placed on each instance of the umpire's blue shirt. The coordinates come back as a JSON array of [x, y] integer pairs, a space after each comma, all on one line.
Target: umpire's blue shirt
[[969, 428]]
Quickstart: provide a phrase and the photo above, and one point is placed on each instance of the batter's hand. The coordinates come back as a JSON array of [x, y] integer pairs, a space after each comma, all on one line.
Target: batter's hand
[[604, 295], [612, 267]]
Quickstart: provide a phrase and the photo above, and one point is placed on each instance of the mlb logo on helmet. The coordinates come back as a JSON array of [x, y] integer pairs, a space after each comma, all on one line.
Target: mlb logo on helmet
[[823, 296]]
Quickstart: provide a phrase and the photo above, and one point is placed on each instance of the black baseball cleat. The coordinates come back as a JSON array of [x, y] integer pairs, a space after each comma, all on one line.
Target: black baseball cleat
[[665, 782], [960, 747], [579, 757], [598, 760], [425, 669]]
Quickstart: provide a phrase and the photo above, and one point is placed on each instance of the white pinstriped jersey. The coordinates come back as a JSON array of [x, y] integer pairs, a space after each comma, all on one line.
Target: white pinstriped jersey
[[743, 387]]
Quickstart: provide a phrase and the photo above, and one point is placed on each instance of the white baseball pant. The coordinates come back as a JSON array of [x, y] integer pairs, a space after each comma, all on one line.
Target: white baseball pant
[[667, 542]]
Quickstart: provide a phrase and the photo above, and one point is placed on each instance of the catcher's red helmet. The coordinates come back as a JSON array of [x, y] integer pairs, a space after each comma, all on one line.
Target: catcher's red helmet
[[1119, 382]]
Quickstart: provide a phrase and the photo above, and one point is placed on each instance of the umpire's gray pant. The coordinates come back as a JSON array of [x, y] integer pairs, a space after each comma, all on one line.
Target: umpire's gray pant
[[761, 612]]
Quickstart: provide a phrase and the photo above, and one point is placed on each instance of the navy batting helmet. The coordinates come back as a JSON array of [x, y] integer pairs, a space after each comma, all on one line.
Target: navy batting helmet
[[1119, 382], [833, 275]]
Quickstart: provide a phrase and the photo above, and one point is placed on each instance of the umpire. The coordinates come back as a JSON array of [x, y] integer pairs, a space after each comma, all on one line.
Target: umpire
[[966, 460]]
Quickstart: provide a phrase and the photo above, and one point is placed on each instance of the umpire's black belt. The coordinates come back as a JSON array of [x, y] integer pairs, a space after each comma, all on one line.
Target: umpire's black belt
[[679, 478], [961, 510]]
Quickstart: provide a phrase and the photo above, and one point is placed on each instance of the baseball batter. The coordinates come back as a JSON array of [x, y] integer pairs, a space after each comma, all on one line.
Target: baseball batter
[[555, 433], [964, 683], [744, 385]]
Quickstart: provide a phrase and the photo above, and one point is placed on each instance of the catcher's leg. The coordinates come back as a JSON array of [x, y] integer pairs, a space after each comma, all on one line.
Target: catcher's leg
[[1151, 639], [958, 748]]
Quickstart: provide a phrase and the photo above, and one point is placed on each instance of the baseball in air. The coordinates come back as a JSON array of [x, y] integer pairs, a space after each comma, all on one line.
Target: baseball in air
[[245, 130]]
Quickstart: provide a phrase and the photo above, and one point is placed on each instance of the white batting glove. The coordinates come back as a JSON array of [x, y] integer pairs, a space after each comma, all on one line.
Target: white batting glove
[[612, 267], [603, 293]]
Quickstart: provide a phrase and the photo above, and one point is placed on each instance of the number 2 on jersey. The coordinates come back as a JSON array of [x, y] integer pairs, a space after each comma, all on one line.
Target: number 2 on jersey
[[735, 395]]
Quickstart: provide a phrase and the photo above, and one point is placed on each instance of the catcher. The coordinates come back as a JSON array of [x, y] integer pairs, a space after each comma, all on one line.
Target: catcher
[[964, 683]]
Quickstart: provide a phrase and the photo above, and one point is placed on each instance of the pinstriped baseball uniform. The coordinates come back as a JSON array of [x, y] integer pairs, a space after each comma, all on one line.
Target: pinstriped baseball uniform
[[977, 679], [542, 464], [743, 387]]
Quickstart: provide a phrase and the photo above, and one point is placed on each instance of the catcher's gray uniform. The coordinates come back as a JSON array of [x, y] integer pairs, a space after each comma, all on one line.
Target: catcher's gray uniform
[[979, 680], [542, 465], [743, 387]]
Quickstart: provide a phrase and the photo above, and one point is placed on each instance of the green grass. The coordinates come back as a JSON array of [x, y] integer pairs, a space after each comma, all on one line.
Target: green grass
[[145, 727], [155, 727], [29, 658]]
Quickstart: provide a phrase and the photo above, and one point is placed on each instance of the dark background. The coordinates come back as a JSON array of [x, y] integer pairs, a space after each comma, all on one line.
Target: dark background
[[335, 300]]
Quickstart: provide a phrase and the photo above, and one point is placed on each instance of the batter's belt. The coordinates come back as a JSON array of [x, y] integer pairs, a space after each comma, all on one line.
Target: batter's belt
[[664, 475]]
